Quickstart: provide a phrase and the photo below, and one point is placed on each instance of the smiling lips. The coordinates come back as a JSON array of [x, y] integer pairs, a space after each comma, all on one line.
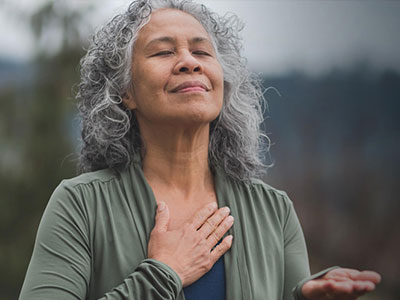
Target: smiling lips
[[191, 86]]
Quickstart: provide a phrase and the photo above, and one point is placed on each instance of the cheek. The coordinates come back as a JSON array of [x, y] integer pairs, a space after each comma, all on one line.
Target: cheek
[[219, 82], [148, 80], [154, 78], [219, 76]]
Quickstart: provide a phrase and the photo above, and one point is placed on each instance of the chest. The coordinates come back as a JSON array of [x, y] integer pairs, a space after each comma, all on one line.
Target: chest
[[253, 266], [179, 216], [182, 210]]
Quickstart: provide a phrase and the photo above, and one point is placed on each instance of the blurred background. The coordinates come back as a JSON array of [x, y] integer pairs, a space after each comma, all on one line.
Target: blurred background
[[334, 69]]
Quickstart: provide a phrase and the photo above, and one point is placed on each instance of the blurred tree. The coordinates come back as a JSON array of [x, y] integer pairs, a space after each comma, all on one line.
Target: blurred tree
[[35, 130]]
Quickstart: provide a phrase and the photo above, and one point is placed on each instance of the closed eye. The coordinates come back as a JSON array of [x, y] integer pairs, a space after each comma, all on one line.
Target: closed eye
[[201, 53], [163, 53]]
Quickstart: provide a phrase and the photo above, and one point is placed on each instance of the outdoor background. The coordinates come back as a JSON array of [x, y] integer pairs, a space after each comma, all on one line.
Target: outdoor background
[[333, 119]]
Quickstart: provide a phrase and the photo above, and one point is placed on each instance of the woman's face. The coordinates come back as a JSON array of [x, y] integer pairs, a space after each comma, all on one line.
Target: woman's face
[[177, 78]]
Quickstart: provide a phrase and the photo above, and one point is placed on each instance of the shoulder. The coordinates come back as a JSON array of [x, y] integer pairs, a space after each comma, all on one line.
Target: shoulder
[[103, 176], [88, 183], [264, 192], [261, 185], [258, 197], [85, 189]]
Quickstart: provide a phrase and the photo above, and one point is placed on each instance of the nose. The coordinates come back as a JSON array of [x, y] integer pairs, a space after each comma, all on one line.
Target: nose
[[187, 63]]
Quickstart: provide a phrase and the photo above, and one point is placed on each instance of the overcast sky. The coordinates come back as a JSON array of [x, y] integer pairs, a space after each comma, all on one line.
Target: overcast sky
[[280, 36]]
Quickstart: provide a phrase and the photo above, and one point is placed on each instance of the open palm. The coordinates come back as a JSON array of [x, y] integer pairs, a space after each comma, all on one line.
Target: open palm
[[341, 283]]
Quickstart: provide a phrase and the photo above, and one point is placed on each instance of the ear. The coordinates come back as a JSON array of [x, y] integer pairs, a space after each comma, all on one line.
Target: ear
[[128, 100]]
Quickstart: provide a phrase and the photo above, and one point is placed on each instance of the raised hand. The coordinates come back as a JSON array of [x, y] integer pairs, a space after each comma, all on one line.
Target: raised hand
[[341, 283], [188, 250]]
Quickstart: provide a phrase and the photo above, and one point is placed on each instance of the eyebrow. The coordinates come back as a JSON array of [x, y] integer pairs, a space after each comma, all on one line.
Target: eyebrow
[[171, 40]]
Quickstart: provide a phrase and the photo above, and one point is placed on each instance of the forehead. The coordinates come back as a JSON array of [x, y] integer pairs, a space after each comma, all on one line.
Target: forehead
[[173, 23]]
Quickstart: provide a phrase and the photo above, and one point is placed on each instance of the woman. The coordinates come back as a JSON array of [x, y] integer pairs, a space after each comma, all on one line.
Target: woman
[[171, 146]]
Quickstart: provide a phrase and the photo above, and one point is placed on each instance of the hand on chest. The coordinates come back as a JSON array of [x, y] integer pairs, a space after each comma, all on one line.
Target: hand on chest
[[181, 209]]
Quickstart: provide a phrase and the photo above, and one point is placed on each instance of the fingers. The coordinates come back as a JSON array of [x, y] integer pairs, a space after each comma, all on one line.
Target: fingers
[[189, 249], [345, 273], [214, 225], [364, 286], [203, 214], [220, 250], [349, 288], [366, 276], [213, 222], [315, 289], [162, 218], [326, 289], [333, 289], [223, 227]]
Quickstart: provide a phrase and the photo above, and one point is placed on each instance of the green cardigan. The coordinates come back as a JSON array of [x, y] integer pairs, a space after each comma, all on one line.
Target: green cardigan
[[93, 236]]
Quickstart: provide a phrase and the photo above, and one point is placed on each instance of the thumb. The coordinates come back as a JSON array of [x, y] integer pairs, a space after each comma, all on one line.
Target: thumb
[[162, 217], [316, 289]]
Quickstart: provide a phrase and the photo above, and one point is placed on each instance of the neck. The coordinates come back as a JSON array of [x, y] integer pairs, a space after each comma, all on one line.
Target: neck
[[176, 161]]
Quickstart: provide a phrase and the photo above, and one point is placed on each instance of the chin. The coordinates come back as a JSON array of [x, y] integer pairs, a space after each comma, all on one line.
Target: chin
[[203, 115], [196, 118]]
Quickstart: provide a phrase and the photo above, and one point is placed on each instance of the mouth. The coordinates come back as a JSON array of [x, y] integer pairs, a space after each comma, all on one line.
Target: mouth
[[190, 86]]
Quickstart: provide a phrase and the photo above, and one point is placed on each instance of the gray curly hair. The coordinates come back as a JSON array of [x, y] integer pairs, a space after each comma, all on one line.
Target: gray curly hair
[[110, 132]]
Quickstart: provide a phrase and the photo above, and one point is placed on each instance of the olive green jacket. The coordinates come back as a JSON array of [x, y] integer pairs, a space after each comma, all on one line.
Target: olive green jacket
[[93, 236]]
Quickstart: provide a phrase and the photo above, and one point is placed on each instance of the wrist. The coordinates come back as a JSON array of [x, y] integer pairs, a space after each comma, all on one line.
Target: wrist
[[298, 289], [171, 265], [177, 270], [177, 277]]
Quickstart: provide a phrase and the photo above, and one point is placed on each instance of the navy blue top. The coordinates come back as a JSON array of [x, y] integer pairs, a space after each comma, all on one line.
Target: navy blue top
[[210, 286]]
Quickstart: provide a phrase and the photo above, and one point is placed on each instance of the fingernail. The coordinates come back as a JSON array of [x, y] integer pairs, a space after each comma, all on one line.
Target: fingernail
[[214, 205], [229, 238], [161, 206], [226, 210]]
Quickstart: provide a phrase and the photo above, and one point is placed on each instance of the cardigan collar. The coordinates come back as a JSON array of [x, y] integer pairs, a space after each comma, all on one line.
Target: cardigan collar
[[236, 273]]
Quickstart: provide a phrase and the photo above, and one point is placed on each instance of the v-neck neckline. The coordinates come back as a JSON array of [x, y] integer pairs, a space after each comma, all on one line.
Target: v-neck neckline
[[236, 273]]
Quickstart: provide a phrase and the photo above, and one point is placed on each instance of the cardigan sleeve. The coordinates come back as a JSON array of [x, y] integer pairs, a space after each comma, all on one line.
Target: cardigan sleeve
[[296, 265], [61, 267], [297, 271]]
